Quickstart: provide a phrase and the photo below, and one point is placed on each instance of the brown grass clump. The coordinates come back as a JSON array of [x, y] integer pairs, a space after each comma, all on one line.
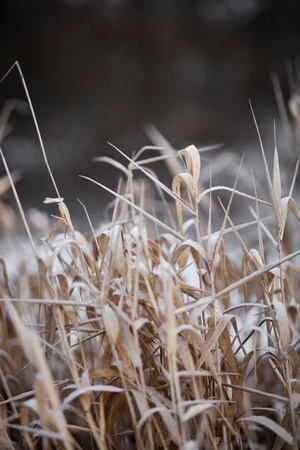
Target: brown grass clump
[[158, 331]]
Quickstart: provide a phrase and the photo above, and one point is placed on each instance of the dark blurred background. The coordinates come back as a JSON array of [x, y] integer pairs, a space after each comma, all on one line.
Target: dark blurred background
[[100, 70]]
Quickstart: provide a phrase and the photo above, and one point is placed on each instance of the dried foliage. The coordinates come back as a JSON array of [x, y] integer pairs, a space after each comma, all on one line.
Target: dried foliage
[[158, 331]]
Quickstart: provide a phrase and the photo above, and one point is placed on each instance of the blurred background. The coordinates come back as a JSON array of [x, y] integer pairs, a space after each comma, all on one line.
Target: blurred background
[[102, 70]]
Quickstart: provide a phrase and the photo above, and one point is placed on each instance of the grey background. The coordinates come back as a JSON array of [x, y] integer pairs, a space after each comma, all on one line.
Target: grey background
[[98, 71]]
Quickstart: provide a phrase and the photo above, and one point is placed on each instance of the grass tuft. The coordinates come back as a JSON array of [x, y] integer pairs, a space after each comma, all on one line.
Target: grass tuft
[[173, 329]]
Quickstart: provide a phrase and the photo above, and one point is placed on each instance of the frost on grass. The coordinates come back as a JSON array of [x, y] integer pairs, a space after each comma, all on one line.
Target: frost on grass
[[173, 326]]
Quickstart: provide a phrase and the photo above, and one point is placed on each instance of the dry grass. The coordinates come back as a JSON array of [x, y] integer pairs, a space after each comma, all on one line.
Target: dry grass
[[158, 330]]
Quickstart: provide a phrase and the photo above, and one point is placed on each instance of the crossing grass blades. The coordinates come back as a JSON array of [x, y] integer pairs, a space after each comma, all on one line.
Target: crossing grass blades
[[170, 330]]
